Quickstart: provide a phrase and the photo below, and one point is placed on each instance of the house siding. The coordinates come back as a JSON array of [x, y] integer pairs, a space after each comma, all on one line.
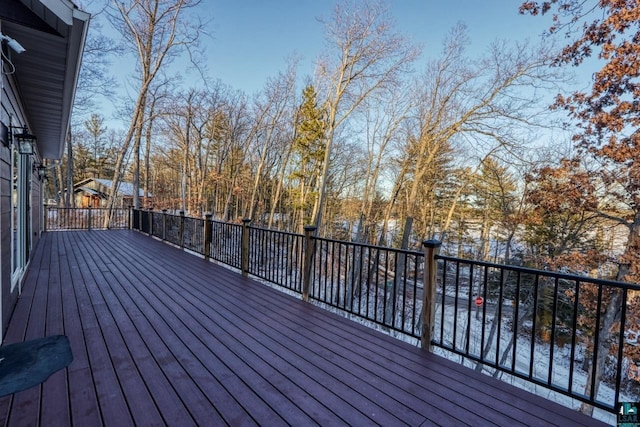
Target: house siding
[[8, 298], [11, 114]]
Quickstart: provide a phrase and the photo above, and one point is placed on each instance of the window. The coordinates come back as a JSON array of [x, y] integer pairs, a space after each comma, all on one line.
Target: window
[[20, 215]]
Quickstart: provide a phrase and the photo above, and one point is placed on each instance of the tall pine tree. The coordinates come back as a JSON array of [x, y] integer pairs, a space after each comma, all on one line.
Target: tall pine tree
[[308, 152]]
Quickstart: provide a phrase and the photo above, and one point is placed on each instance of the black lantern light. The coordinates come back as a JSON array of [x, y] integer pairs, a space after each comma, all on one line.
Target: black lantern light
[[24, 140], [42, 172]]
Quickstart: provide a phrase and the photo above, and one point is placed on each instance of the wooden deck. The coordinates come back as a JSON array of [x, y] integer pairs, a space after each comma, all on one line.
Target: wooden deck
[[161, 337]]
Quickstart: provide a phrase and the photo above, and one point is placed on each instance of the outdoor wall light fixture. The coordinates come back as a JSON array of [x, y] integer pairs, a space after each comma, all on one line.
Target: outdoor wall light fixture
[[14, 46], [42, 172], [24, 140], [12, 43]]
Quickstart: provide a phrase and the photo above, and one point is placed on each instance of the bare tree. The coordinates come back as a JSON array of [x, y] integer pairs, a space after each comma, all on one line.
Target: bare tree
[[94, 79], [226, 129], [271, 108], [365, 55], [202, 148], [157, 96], [384, 117], [229, 151], [184, 128], [157, 31], [477, 105]]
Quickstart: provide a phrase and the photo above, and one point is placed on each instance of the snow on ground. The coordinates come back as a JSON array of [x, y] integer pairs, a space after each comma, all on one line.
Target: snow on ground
[[542, 359]]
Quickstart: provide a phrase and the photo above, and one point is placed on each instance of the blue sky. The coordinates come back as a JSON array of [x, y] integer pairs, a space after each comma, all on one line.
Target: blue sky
[[251, 40]]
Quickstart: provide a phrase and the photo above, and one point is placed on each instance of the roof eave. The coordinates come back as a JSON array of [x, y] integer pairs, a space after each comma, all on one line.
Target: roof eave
[[76, 50], [47, 72]]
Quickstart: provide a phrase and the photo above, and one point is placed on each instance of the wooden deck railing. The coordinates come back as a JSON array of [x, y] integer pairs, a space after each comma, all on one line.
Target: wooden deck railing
[[56, 218], [543, 328]]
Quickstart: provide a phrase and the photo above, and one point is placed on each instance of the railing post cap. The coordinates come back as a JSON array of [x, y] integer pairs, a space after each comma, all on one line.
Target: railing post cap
[[431, 243], [208, 215], [246, 220], [181, 213], [310, 228], [164, 210]]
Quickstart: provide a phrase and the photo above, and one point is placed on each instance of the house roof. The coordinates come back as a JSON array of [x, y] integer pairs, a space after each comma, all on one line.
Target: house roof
[[53, 32], [90, 191], [125, 189]]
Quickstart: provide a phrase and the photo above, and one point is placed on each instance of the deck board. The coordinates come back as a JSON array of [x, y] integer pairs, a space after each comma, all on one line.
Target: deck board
[[162, 337], [99, 372], [83, 401], [254, 354], [229, 326]]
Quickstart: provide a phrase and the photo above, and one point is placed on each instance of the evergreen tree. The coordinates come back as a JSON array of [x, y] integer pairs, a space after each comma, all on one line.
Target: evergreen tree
[[308, 152], [95, 127], [496, 200]]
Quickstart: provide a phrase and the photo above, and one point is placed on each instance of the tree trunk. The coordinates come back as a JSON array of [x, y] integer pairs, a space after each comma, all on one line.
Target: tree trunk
[[226, 215], [147, 161], [398, 278], [117, 173], [216, 190], [397, 186], [136, 166], [610, 317], [275, 201], [483, 254], [185, 164], [322, 188], [526, 315], [357, 268], [494, 326], [258, 176]]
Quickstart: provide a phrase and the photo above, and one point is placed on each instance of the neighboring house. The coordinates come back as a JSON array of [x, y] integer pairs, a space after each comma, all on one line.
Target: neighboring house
[[95, 192], [42, 43]]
